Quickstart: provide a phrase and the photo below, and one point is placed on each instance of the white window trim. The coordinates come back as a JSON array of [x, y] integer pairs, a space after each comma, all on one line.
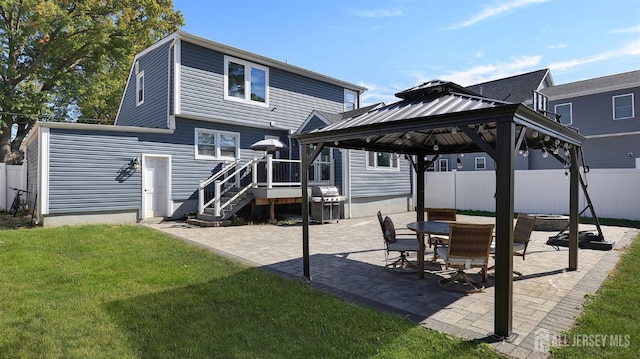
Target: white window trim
[[356, 99], [445, 160], [484, 163], [138, 77], [247, 80], [555, 110], [613, 106], [374, 166], [217, 156]]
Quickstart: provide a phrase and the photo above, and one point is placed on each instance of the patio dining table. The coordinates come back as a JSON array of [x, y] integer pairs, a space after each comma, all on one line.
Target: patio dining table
[[428, 228]]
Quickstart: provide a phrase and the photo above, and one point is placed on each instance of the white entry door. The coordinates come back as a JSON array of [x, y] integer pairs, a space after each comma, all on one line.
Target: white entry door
[[155, 185]]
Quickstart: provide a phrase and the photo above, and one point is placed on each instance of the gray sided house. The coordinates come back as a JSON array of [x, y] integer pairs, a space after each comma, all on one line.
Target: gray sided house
[[605, 111], [371, 181], [181, 142]]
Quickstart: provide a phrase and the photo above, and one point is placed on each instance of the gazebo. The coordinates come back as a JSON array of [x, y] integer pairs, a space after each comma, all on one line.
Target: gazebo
[[440, 117]]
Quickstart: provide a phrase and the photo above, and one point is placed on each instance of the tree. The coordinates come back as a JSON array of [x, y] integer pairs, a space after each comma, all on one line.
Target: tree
[[63, 59]]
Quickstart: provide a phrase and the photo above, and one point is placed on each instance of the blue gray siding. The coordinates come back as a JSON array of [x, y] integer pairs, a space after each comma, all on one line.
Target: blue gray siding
[[88, 169], [32, 170], [293, 96], [593, 114], [153, 112], [378, 183]]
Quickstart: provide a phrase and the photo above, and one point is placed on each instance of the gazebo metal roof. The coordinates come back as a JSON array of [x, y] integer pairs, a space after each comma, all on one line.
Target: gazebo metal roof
[[441, 117]]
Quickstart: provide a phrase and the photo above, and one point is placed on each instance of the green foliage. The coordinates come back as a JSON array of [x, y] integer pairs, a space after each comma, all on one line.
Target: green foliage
[[63, 55], [131, 292]]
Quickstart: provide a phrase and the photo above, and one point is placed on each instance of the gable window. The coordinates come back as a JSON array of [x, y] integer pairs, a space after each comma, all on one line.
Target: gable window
[[216, 145], [481, 163], [382, 160], [350, 100], [623, 106], [245, 81], [443, 165], [140, 88], [565, 112]]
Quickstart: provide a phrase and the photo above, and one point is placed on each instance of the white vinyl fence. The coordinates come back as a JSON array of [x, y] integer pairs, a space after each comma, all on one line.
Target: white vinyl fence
[[615, 193], [11, 177]]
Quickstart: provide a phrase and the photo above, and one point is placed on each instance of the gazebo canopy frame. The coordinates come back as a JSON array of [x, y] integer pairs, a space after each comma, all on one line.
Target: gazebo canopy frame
[[444, 118]]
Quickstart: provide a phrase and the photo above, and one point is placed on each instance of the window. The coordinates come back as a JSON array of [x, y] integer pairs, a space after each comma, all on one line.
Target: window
[[443, 165], [481, 163], [623, 106], [350, 100], [245, 81], [564, 110], [383, 160], [216, 145], [140, 88]]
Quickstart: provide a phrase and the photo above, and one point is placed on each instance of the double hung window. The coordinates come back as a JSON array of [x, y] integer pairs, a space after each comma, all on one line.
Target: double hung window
[[216, 145], [383, 160], [623, 107]]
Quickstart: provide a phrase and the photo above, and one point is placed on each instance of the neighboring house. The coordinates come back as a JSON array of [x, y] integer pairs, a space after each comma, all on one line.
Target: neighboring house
[[189, 113], [604, 110], [516, 89]]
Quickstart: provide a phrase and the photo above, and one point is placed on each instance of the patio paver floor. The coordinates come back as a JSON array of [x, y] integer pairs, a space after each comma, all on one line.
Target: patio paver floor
[[347, 259]]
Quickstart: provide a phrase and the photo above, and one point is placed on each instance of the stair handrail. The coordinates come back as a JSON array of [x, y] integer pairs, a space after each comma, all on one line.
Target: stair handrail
[[203, 184], [218, 190]]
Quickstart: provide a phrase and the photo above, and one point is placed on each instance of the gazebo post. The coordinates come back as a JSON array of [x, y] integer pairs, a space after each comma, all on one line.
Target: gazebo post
[[573, 208], [505, 158], [304, 166], [420, 184]]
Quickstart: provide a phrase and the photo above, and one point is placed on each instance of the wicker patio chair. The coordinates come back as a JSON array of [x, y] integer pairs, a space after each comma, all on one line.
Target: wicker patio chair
[[468, 248]]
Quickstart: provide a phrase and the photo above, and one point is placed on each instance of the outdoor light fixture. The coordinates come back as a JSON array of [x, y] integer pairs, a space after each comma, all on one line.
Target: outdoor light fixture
[[134, 164], [367, 139], [407, 135], [534, 134], [547, 138], [335, 142], [545, 154], [480, 129], [435, 146], [454, 130], [398, 141], [459, 163]]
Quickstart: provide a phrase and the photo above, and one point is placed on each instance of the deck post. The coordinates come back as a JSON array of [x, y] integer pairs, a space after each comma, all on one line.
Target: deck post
[[269, 171]]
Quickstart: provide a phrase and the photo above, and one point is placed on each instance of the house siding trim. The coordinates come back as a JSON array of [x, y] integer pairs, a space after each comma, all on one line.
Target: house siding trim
[[43, 169]]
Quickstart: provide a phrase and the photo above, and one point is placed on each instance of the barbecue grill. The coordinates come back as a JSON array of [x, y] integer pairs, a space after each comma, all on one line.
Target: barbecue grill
[[325, 203]]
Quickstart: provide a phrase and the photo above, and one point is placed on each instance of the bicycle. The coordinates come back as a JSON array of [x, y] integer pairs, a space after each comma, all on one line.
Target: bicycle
[[18, 204]]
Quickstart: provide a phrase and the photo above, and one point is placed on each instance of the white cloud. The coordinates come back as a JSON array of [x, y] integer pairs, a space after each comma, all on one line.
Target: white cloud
[[626, 30], [493, 11], [557, 46], [379, 13], [378, 93], [632, 49], [484, 73]]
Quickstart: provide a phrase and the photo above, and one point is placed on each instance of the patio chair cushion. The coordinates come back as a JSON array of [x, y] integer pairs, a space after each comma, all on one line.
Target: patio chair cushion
[[404, 245], [389, 230]]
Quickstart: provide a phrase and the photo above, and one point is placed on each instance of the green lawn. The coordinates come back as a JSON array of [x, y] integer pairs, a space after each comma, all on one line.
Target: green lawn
[[610, 325], [130, 292]]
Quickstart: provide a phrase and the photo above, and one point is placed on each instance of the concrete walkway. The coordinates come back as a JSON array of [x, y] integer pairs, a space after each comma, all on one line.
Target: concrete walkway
[[347, 259]]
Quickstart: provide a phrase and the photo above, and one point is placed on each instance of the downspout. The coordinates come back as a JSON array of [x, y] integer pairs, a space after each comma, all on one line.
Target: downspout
[[171, 122]]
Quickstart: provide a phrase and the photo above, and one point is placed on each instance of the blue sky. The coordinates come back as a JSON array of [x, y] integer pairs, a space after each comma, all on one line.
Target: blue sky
[[389, 46]]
